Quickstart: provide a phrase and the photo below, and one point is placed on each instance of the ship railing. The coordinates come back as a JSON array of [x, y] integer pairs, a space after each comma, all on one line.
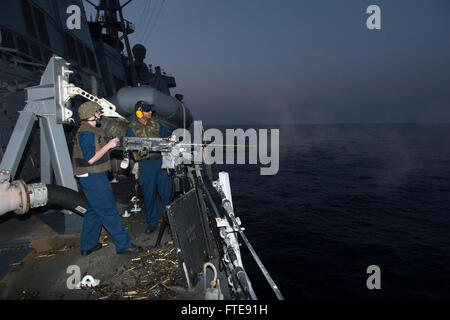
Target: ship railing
[[222, 187], [15, 56]]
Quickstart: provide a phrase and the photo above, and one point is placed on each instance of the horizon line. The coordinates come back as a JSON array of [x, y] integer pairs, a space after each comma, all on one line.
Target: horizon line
[[326, 123]]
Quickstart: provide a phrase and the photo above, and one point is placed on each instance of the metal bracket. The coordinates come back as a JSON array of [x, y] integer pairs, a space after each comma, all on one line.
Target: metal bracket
[[109, 109], [46, 102]]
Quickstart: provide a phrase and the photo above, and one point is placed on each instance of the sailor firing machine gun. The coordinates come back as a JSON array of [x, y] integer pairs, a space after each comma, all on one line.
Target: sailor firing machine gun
[[206, 238]]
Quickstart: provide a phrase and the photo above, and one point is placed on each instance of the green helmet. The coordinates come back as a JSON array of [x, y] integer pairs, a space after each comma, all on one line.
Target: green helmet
[[88, 109]]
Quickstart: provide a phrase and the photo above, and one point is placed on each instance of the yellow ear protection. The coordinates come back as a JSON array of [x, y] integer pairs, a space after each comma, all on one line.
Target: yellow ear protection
[[145, 107]]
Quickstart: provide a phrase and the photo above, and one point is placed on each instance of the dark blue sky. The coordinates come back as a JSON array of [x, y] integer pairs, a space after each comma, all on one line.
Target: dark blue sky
[[301, 61]]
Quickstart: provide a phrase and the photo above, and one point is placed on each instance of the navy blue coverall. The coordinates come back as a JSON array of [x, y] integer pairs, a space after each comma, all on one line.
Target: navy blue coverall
[[102, 209], [151, 179]]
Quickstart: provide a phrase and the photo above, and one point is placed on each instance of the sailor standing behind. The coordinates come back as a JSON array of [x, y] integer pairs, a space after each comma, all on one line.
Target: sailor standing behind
[[151, 176], [90, 164]]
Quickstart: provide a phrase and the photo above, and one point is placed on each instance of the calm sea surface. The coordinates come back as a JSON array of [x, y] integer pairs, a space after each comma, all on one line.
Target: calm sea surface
[[347, 197]]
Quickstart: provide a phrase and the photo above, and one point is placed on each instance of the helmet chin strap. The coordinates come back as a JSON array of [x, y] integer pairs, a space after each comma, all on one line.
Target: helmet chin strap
[[98, 123]]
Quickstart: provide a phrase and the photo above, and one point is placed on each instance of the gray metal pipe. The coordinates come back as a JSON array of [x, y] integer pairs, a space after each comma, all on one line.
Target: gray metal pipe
[[20, 197], [10, 198]]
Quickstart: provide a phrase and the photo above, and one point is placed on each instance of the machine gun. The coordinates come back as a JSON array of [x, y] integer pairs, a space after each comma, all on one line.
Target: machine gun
[[145, 145], [226, 225], [174, 153]]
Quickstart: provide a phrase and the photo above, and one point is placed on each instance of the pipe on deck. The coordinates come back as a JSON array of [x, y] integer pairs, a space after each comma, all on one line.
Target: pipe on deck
[[20, 197]]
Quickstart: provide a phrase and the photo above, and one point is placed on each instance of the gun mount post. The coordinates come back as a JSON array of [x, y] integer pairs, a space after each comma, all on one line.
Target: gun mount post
[[46, 102]]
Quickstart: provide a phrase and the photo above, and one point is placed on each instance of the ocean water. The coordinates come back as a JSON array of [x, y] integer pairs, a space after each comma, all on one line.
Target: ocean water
[[347, 197]]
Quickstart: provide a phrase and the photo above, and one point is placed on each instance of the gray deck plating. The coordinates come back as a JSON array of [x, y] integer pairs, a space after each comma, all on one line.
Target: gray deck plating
[[44, 270]]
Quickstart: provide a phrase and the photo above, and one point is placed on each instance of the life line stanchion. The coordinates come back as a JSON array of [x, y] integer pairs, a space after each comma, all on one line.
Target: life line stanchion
[[228, 207]]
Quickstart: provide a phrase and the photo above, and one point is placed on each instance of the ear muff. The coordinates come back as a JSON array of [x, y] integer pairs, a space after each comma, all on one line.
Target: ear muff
[[139, 114]]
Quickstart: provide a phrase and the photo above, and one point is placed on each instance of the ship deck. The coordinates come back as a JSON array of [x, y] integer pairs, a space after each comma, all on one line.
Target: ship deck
[[35, 259]]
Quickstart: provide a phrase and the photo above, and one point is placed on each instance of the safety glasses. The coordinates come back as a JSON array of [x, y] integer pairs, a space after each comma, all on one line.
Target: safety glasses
[[147, 108]]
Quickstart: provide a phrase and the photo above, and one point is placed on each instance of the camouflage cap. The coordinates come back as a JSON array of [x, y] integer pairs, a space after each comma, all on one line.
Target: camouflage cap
[[88, 109]]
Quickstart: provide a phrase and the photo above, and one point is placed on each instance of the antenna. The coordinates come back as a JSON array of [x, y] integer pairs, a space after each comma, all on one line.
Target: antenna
[[113, 26]]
